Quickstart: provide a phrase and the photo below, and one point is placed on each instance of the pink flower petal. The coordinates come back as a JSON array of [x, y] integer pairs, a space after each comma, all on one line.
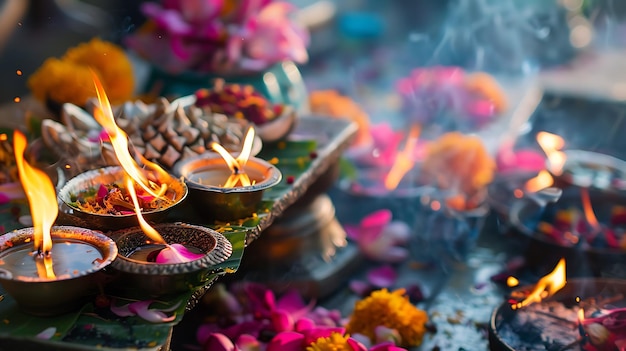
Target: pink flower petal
[[121, 311], [360, 287], [47, 333], [353, 232], [282, 321], [398, 231], [291, 301], [176, 253], [102, 192], [286, 341], [372, 225], [304, 324], [218, 342], [204, 332], [356, 345], [141, 309], [247, 342], [382, 277]]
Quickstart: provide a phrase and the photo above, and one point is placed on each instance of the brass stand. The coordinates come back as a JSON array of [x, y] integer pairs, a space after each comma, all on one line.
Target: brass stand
[[305, 248]]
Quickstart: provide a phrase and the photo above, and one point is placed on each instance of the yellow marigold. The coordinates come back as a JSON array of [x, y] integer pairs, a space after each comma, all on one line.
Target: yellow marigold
[[69, 79], [392, 310], [335, 342]]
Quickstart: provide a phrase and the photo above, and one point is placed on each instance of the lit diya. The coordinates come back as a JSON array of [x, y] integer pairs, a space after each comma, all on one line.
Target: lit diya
[[49, 270], [225, 187], [101, 197], [559, 314], [166, 258]]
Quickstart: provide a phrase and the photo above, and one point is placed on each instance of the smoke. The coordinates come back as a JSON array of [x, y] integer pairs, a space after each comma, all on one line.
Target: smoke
[[498, 36]]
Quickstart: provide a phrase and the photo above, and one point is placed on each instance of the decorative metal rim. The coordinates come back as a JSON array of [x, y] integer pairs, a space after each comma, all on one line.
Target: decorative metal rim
[[220, 252]]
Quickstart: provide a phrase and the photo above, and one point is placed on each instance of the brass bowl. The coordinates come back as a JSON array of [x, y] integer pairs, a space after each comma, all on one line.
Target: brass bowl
[[67, 292], [215, 202], [135, 277], [106, 222]]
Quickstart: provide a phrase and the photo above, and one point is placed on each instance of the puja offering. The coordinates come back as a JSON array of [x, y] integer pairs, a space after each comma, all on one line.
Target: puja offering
[[224, 187], [272, 122], [49, 270], [555, 314], [163, 132]]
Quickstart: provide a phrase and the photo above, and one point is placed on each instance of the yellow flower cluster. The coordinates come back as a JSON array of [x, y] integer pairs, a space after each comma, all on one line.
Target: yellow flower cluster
[[335, 342], [392, 310], [69, 79], [462, 164]]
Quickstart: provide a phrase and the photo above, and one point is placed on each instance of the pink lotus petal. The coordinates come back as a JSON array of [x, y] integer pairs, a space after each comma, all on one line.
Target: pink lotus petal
[[282, 321], [176, 253], [382, 277], [218, 342], [286, 341], [360, 287], [247, 342], [373, 224], [47, 333], [311, 335]]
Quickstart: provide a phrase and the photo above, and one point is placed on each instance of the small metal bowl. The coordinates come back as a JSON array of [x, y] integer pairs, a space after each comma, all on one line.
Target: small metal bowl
[[106, 222], [67, 292], [135, 277], [220, 203]]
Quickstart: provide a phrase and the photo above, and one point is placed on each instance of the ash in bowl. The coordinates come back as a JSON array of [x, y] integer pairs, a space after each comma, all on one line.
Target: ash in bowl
[[539, 327]]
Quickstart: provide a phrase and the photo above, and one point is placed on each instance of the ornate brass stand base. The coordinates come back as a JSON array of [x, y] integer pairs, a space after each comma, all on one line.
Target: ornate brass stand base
[[306, 249]]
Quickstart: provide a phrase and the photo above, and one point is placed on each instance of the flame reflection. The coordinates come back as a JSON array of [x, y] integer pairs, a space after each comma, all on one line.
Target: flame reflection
[[551, 144], [546, 286], [541, 181], [404, 160], [43, 206], [590, 215]]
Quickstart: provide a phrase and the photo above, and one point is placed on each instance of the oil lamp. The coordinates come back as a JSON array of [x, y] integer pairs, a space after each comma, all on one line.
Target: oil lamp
[[100, 197], [49, 270], [224, 187]]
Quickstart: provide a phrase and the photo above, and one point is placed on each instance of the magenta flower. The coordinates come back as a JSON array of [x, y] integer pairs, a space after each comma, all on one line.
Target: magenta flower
[[267, 37], [176, 253], [509, 160], [208, 35], [380, 238]]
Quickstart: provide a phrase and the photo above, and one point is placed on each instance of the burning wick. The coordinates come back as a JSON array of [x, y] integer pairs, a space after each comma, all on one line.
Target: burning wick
[[174, 253], [236, 165], [546, 286]]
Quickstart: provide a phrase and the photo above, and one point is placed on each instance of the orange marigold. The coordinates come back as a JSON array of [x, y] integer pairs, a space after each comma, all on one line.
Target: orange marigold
[[459, 163], [68, 79], [392, 310], [331, 103]]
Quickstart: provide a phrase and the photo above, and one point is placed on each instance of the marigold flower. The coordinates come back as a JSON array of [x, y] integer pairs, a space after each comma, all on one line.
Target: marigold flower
[[392, 310], [69, 80], [335, 342]]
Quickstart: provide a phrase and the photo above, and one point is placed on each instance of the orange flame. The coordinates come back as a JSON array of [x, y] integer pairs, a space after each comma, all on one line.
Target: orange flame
[[236, 165], [119, 140], [43, 205], [581, 315], [145, 226], [404, 160], [546, 286], [511, 281], [541, 181], [551, 144], [590, 215]]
